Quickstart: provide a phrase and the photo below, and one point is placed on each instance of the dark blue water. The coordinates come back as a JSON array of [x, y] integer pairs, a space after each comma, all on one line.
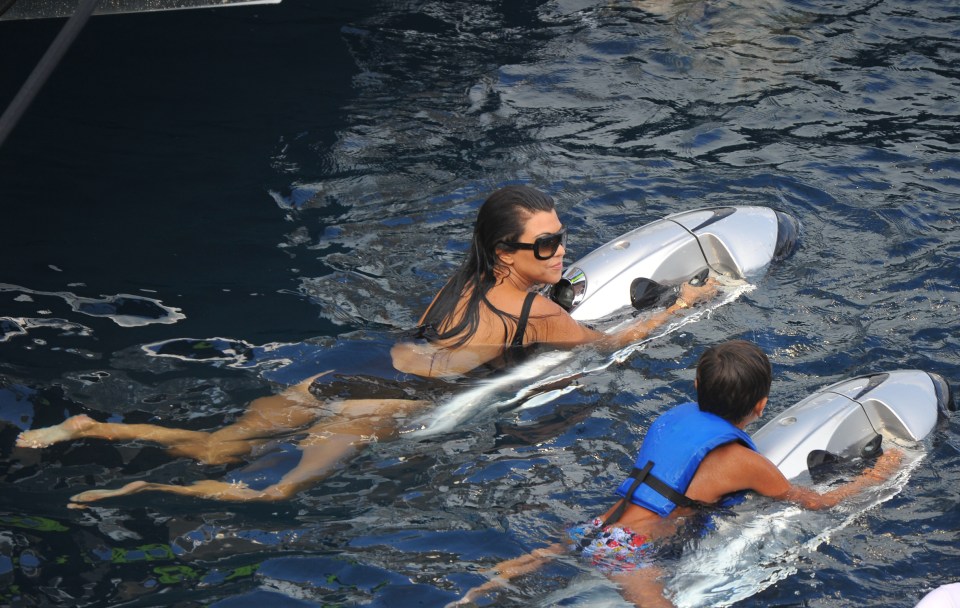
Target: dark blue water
[[282, 176]]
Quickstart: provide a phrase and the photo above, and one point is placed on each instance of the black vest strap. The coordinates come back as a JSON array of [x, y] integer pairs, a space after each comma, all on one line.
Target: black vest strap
[[639, 476], [661, 488], [644, 475]]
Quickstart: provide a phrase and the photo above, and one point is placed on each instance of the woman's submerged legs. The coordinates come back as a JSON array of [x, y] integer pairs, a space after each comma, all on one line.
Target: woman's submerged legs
[[327, 442], [266, 417]]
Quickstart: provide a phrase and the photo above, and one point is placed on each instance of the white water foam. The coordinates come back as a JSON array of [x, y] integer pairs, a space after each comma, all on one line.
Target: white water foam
[[125, 310]]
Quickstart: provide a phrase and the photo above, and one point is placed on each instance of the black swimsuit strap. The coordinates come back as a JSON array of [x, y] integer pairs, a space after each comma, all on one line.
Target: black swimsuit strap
[[522, 321]]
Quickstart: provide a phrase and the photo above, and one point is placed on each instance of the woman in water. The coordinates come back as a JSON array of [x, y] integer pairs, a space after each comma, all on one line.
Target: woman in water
[[484, 316]]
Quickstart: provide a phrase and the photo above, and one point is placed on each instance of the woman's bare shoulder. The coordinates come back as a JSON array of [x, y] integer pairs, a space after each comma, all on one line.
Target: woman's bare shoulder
[[553, 325]]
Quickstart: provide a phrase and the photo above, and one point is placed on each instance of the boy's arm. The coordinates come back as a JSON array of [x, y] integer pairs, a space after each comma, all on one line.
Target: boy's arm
[[643, 587], [508, 569], [769, 481]]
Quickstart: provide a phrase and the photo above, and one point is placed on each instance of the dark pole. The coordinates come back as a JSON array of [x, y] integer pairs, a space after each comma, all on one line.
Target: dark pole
[[45, 67]]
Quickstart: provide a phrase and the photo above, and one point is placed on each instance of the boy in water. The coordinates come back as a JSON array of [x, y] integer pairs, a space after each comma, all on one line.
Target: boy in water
[[695, 454]]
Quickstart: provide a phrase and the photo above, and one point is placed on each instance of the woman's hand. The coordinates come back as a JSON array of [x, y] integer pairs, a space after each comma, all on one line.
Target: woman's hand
[[643, 326], [886, 465], [690, 294]]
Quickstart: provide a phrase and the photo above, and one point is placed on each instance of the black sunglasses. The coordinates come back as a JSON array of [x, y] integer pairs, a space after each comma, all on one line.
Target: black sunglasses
[[543, 247]]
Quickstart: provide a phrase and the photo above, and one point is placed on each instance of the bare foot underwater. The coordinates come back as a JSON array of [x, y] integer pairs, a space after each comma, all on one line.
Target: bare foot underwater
[[71, 428]]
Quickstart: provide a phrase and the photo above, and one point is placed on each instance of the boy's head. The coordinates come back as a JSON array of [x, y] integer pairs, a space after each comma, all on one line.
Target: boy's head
[[732, 378]]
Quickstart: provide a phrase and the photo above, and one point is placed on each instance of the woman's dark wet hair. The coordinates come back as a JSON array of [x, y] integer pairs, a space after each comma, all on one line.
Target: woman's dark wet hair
[[732, 378], [502, 217]]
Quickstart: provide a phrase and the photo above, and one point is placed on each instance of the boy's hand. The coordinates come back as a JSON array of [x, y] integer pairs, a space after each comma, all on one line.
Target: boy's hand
[[886, 465]]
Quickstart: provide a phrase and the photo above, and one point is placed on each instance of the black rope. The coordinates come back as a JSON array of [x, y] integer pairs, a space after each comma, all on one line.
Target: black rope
[[45, 67]]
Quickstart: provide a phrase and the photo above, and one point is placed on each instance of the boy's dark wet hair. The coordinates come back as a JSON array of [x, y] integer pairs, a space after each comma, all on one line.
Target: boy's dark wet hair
[[732, 378]]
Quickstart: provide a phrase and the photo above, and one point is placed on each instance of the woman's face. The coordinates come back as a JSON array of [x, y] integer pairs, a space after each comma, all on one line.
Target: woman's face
[[524, 263]]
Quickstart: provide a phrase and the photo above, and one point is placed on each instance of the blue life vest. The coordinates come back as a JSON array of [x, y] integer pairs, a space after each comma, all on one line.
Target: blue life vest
[[674, 447]]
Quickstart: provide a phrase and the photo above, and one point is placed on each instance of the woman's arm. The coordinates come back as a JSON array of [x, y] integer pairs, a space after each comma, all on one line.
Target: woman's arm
[[689, 295], [556, 326]]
